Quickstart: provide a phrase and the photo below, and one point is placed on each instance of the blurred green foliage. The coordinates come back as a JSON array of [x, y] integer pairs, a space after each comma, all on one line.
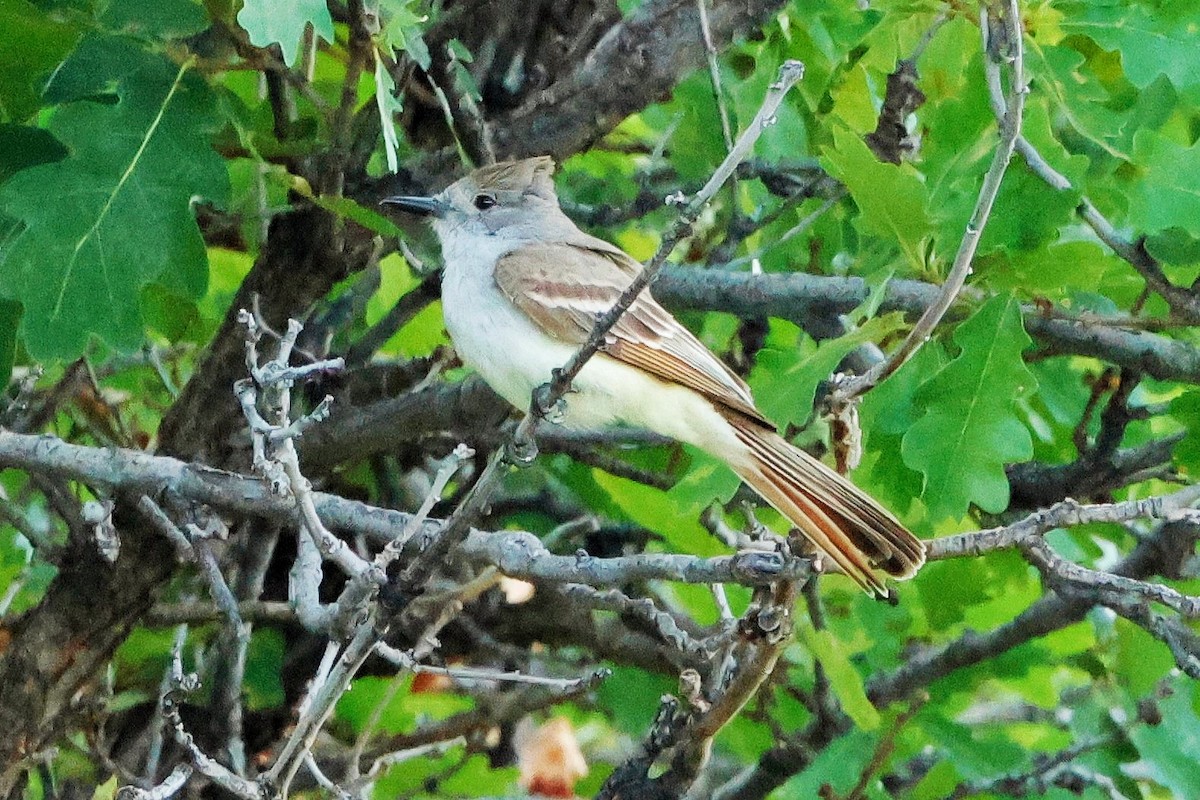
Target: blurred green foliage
[[107, 134]]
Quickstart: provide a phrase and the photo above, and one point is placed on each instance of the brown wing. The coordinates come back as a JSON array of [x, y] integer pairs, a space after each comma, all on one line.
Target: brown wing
[[565, 287]]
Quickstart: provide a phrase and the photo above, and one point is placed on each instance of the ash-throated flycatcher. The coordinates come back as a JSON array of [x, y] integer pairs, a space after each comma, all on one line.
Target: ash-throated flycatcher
[[522, 290]]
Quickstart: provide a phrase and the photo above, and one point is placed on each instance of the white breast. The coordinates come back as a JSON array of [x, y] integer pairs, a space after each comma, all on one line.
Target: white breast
[[514, 356]]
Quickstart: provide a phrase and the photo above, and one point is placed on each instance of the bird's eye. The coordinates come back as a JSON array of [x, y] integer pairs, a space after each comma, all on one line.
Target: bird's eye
[[484, 201]]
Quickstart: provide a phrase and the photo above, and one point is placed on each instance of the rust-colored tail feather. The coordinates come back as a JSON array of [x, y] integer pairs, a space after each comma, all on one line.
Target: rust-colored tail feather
[[841, 520]]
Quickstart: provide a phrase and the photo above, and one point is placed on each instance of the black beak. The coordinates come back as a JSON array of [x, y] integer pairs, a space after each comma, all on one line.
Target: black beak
[[423, 206]]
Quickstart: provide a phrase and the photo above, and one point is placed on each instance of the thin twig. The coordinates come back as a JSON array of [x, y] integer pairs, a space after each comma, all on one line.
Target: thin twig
[[405, 660], [155, 747], [451, 607], [448, 113], [1183, 301], [770, 627], [323, 780], [201, 554], [800, 227], [421, 751], [714, 74], [1010, 131], [1181, 640], [354, 761], [209, 767], [12, 514], [362, 587], [547, 397], [361, 52], [824, 703], [318, 704], [408, 306], [884, 748]]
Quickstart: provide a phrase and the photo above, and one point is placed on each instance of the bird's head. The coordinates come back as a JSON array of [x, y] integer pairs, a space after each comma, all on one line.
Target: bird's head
[[513, 199]]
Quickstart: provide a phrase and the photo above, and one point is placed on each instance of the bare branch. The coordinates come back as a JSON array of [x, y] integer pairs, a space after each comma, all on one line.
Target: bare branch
[[1063, 572], [800, 297], [207, 766], [1068, 513], [323, 693], [516, 553], [641, 608], [170, 786], [199, 552]]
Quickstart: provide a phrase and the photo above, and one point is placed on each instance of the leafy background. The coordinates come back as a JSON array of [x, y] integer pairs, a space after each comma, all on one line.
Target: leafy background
[[140, 165]]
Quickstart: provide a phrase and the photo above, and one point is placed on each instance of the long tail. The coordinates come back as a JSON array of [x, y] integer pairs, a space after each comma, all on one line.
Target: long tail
[[841, 520]]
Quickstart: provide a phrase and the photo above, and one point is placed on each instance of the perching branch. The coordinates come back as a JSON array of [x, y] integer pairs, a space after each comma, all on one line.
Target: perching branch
[[515, 553]]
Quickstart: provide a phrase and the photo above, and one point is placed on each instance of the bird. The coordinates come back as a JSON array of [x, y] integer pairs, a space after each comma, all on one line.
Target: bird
[[523, 288]]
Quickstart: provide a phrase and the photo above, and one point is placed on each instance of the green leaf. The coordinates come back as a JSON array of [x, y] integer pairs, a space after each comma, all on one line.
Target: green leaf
[[1140, 661], [786, 384], [970, 430], [1174, 247], [32, 43], [631, 696], [106, 790], [170, 314], [1028, 213], [1171, 749], [1186, 409], [10, 319], [354, 211], [891, 199], [1082, 101], [162, 19], [696, 143], [1059, 271], [887, 412], [403, 31], [424, 332], [655, 510], [837, 766], [1150, 44], [116, 214], [844, 678], [976, 755], [466, 81], [705, 481], [363, 698], [389, 106], [99, 67], [264, 669], [459, 51], [1168, 194], [344, 207], [22, 146], [283, 21]]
